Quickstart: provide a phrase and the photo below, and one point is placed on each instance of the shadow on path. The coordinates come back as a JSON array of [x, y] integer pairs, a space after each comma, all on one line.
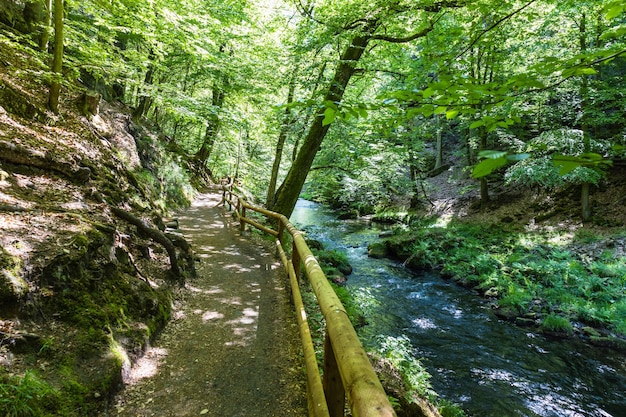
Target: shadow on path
[[232, 347]]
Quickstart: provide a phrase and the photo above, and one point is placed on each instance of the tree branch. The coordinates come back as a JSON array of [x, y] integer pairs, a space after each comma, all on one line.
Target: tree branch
[[493, 26], [412, 37]]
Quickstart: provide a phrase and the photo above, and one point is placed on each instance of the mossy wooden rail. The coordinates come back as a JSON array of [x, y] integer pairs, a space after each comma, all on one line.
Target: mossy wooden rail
[[348, 372]]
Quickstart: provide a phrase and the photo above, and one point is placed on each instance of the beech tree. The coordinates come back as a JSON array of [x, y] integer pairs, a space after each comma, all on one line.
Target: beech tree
[[362, 25]]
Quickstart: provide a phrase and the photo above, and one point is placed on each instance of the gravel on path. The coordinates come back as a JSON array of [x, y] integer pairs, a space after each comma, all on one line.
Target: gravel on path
[[232, 347]]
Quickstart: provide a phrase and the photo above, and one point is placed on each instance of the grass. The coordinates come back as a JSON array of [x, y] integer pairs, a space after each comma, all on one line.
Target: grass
[[25, 396]]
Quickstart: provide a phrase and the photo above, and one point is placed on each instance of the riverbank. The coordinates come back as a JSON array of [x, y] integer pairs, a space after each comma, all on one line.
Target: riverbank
[[563, 283], [486, 366]]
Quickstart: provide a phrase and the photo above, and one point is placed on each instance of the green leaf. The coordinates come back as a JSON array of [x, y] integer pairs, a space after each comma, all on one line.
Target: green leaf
[[586, 71], [477, 123], [487, 166], [490, 154], [428, 92], [329, 116], [440, 109], [451, 114], [518, 157], [614, 10], [565, 167]]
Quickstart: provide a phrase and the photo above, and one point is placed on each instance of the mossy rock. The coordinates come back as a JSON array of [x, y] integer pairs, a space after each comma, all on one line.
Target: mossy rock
[[400, 246], [555, 325], [377, 250], [608, 341], [348, 215], [12, 286]]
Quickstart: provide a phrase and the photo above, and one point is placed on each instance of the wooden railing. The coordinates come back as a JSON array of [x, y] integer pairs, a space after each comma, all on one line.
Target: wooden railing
[[348, 372]]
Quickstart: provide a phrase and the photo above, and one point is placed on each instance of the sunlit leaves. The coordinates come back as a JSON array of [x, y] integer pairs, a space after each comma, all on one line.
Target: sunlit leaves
[[493, 160], [568, 163], [329, 116], [614, 9]]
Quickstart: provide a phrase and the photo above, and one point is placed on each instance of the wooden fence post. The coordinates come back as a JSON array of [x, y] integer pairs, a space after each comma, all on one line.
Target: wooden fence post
[[333, 386], [242, 223], [295, 260]]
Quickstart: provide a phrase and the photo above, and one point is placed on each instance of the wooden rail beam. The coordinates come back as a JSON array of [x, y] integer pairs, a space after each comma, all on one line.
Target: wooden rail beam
[[345, 358]]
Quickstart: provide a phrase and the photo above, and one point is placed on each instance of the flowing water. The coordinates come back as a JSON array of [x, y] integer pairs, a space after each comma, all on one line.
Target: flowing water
[[487, 366]]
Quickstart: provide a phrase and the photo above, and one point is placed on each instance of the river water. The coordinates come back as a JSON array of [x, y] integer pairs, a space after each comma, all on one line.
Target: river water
[[487, 366]]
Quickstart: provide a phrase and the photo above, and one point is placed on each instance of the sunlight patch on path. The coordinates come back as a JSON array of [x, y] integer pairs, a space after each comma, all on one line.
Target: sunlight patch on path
[[147, 366], [232, 348]]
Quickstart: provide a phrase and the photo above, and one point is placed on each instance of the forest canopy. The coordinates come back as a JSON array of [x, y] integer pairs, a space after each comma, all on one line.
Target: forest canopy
[[368, 97]]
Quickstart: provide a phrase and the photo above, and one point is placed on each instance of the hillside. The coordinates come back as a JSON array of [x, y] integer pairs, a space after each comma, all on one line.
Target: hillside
[[83, 282]]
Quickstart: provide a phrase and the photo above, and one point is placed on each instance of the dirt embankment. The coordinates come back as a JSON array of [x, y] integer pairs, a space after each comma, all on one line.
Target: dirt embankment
[[82, 289]]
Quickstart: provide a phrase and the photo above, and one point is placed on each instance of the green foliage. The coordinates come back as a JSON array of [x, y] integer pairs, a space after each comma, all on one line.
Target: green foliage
[[26, 396], [399, 352], [557, 324], [162, 176], [492, 160], [525, 271], [550, 168], [448, 409]]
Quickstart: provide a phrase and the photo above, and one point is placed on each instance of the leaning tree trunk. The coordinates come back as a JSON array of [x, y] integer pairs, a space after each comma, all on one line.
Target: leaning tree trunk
[[291, 187], [57, 60]]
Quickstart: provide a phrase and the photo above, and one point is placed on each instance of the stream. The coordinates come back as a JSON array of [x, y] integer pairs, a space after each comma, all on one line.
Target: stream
[[487, 366]]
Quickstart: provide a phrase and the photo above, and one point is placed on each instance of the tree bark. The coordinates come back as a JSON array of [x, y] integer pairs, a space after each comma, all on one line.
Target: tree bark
[[439, 152], [291, 187], [280, 144], [145, 100], [212, 128], [57, 60], [484, 185], [44, 38], [585, 201]]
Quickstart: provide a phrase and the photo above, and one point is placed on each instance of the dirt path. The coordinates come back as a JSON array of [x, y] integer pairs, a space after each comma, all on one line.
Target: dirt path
[[232, 348]]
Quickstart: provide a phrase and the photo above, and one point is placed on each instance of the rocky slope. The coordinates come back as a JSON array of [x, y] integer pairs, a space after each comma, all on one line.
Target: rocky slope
[[87, 269]]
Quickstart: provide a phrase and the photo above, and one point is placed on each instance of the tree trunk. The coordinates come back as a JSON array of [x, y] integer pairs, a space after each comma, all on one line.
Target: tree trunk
[[57, 60], [439, 152], [484, 185], [44, 39], [145, 100], [210, 133], [318, 81], [280, 144], [291, 187], [585, 201], [213, 123]]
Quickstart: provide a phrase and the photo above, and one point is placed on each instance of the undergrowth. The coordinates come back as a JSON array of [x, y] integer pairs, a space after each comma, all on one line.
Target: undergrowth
[[27, 395], [545, 272]]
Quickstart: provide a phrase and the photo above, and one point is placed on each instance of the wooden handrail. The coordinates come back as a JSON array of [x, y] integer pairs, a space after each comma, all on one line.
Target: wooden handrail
[[347, 369]]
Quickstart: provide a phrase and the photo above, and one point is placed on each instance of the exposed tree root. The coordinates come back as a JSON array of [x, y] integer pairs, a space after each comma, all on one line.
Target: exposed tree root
[[155, 235]]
